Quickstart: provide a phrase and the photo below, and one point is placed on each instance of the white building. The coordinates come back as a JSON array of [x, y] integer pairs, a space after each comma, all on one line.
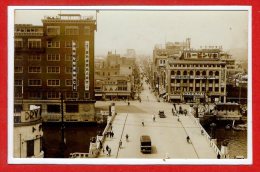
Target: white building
[[28, 134]]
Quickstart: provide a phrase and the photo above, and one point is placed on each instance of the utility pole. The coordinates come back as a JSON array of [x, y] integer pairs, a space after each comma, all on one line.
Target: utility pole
[[62, 128]]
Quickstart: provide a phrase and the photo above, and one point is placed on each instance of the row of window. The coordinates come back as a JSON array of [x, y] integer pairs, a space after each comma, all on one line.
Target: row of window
[[69, 30], [49, 57], [119, 88], [52, 95], [195, 65], [38, 69], [197, 89], [192, 80], [38, 82], [37, 43], [196, 73]]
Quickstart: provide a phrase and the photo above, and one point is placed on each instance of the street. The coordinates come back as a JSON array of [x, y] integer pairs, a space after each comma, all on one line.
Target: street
[[168, 135]]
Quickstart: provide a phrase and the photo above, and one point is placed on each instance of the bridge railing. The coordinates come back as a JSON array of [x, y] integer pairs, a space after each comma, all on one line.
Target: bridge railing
[[211, 141], [96, 147]]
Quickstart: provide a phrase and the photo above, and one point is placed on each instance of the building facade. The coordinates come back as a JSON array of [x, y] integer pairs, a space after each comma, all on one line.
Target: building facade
[[197, 76], [114, 77], [28, 134], [53, 62], [171, 50]]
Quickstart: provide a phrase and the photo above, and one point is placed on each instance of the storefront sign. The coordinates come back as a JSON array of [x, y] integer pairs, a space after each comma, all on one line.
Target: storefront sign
[[86, 65], [30, 115], [74, 67]]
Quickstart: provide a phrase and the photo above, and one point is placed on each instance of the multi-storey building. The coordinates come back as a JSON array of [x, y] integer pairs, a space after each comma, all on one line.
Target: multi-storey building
[[53, 60], [114, 77], [197, 76], [160, 58]]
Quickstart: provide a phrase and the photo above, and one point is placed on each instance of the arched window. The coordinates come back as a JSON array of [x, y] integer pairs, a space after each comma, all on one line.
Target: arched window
[[178, 72], [204, 73], [217, 73], [210, 73], [191, 72], [185, 72], [172, 72], [198, 73]]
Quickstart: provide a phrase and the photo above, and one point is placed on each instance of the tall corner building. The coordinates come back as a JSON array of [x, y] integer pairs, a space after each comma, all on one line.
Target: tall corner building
[[56, 61]]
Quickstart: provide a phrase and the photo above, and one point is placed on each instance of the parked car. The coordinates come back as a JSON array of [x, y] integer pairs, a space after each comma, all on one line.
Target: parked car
[[161, 114]]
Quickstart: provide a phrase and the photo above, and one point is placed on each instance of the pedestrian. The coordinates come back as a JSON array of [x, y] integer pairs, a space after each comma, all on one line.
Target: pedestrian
[[153, 118], [108, 134], [120, 143], [112, 134], [126, 136], [109, 151], [128, 103], [188, 139], [107, 148], [179, 119], [143, 123], [218, 156], [202, 132]]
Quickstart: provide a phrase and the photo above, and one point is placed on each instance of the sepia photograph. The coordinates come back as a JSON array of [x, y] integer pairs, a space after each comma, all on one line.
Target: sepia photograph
[[129, 85]]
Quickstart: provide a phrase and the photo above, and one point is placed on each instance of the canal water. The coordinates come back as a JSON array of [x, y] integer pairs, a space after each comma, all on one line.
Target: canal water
[[77, 136], [237, 140]]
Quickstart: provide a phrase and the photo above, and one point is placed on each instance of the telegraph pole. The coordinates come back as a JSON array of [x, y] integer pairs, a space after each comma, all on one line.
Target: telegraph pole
[[62, 127]]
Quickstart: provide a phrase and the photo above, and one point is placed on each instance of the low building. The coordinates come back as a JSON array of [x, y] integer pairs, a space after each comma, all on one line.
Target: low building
[[28, 134]]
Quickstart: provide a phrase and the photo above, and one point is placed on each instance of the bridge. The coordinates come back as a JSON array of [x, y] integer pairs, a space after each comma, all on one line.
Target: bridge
[[168, 135]]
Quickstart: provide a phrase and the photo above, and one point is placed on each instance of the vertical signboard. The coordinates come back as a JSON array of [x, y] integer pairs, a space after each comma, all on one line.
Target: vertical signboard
[[74, 67], [86, 65]]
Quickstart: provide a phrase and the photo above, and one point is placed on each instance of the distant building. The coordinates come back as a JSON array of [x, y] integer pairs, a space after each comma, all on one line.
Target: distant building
[[28, 134], [53, 60], [160, 60], [114, 77]]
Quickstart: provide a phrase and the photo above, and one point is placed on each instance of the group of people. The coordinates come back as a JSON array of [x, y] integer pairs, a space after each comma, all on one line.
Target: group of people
[[110, 134]]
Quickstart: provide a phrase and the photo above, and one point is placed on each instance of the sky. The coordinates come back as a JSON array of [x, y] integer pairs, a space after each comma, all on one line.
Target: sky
[[119, 30]]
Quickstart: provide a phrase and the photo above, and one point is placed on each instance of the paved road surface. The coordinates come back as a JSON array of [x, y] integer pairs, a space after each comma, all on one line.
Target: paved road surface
[[168, 135]]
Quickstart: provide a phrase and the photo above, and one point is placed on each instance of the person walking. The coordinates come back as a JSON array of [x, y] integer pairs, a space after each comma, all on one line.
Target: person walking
[[126, 137], [120, 144], [153, 118], [112, 134], [143, 123], [188, 139], [109, 151], [107, 148]]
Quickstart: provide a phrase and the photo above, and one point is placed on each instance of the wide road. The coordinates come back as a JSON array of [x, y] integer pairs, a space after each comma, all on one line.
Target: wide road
[[168, 135]]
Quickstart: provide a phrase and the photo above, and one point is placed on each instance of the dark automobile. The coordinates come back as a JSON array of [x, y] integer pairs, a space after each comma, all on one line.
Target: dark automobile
[[146, 144], [161, 114]]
